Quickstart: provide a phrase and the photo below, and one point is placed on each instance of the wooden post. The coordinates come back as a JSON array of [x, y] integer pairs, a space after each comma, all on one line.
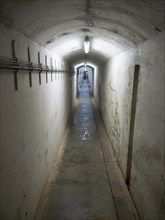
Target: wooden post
[[132, 123]]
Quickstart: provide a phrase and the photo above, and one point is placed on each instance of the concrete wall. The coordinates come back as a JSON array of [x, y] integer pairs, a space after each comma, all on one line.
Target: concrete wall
[[33, 121], [115, 102], [114, 98], [148, 171], [74, 85], [97, 83]]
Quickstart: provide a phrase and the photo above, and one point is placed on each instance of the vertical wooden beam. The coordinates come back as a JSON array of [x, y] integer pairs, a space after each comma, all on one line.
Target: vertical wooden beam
[[132, 123], [15, 72], [39, 62], [30, 73]]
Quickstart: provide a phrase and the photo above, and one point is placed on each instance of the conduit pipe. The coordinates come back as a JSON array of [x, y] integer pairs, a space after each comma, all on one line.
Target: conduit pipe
[[17, 65]]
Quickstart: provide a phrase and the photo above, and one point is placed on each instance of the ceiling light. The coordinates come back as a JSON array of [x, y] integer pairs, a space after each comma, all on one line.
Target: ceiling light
[[86, 44]]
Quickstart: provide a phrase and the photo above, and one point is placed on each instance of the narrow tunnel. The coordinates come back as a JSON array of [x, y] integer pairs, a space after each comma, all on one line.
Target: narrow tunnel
[[82, 132]]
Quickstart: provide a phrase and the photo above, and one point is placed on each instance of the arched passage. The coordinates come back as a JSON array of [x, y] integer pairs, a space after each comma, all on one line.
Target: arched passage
[[41, 43], [85, 71]]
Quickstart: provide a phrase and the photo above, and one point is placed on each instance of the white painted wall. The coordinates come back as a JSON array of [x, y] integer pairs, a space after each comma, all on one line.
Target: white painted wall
[[115, 102], [97, 83], [148, 171], [32, 123], [114, 99]]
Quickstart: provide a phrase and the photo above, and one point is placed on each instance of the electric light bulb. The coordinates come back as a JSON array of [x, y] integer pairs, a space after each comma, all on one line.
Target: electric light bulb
[[86, 44]]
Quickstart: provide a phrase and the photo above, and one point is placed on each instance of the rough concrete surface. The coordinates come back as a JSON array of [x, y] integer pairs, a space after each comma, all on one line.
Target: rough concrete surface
[[115, 86], [29, 136]]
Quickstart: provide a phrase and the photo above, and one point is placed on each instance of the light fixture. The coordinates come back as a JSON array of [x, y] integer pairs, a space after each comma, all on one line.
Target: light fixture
[[86, 44]]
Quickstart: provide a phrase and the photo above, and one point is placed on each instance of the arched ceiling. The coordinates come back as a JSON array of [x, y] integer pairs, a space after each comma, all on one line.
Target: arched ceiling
[[61, 25]]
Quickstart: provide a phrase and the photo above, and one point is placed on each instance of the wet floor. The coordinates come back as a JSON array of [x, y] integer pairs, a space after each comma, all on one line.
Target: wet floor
[[79, 188]]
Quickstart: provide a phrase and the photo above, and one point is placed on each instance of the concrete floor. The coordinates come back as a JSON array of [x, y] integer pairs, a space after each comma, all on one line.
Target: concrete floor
[[80, 186]]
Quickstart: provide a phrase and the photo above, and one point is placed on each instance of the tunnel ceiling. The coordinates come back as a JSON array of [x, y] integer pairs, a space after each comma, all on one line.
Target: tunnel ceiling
[[61, 25]]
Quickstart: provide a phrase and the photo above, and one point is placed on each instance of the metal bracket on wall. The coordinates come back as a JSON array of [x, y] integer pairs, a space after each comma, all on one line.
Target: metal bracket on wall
[[30, 73], [15, 65], [15, 61], [58, 72], [39, 63], [55, 71], [46, 68], [51, 66]]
